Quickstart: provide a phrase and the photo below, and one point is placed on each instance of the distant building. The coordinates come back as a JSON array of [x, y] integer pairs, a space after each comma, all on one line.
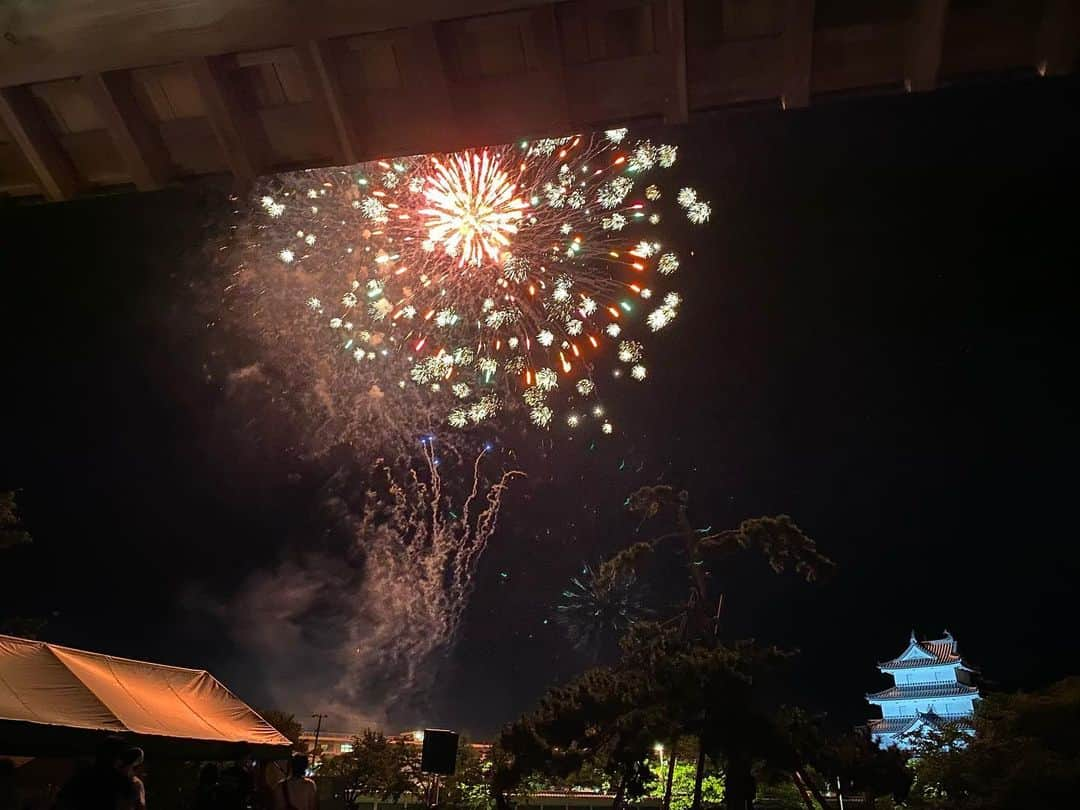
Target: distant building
[[932, 687], [333, 743]]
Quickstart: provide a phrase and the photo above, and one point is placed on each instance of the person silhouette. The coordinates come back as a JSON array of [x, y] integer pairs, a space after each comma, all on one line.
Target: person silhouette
[[297, 791], [110, 783]]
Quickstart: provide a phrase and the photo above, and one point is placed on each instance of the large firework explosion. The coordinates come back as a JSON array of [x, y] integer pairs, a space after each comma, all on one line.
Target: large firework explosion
[[488, 280]]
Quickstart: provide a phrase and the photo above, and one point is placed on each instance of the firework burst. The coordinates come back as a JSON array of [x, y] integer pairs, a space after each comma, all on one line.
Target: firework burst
[[474, 211], [504, 278], [598, 605]]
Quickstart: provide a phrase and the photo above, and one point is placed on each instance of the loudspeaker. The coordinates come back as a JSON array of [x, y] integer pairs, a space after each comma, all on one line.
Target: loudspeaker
[[440, 752]]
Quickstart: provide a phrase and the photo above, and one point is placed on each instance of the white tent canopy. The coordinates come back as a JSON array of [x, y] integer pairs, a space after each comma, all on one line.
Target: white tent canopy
[[58, 700]]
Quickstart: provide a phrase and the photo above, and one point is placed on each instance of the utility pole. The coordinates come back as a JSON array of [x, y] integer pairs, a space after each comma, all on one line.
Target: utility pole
[[318, 728]]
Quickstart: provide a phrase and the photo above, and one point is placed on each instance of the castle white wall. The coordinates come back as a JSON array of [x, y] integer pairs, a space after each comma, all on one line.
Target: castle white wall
[[942, 674]]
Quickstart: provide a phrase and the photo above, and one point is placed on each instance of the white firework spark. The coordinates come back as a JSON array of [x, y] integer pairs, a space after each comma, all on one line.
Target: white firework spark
[[699, 213], [541, 416], [667, 264], [374, 210]]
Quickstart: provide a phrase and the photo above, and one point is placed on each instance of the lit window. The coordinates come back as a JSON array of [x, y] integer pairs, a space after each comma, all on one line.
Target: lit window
[[346, 748]]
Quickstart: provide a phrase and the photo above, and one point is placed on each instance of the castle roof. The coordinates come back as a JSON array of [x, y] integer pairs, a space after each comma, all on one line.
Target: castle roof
[[891, 725], [930, 690], [902, 725], [930, 653]]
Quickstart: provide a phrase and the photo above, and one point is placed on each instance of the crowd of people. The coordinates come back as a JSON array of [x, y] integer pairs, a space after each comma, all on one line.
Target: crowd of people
[[113, 782]]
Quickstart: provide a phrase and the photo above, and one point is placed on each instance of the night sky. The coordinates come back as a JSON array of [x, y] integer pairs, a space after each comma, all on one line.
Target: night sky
[[877, 339]]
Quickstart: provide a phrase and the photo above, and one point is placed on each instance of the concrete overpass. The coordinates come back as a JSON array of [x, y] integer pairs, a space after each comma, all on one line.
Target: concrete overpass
[[107, 94]]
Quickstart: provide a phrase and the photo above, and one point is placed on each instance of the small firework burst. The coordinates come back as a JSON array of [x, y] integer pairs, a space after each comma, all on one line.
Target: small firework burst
[[600, 605]]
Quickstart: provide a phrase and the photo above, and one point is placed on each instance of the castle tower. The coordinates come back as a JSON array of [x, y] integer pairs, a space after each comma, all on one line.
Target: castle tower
[[932, 686]]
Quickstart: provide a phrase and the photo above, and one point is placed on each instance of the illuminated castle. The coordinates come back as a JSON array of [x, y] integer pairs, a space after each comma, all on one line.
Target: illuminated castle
[[931, 687]]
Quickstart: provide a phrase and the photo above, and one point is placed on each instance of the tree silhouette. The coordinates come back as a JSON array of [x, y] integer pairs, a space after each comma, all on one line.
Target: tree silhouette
[[675, 678], [603, 719], [1025, 754], [852, 760], [284, 722], [783, 544], [663, 688], [377, 767], [12, 532]]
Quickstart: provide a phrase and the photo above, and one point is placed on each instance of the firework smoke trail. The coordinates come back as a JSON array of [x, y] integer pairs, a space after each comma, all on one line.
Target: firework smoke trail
[[421, 561], [362, 632]]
